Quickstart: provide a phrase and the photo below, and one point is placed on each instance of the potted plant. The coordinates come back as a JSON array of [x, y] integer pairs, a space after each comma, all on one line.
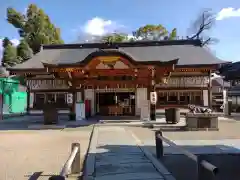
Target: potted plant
[[72, 116]]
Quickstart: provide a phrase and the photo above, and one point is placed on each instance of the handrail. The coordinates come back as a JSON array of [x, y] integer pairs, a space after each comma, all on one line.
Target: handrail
[[68, 165], [201, 163], [72, 165]]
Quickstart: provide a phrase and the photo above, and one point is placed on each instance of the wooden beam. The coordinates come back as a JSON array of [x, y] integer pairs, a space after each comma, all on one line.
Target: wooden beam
[[69, 75]]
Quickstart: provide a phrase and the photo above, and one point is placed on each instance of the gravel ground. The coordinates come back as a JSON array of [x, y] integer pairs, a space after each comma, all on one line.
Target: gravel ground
[[23, 153]]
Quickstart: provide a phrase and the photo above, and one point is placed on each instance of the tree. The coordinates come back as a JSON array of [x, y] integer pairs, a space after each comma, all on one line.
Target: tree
[[24, 52], [34, 27], [9, 54], [173, 34], [115, 37], [151, 32], [6, 42], [145, 33], [203, 24]]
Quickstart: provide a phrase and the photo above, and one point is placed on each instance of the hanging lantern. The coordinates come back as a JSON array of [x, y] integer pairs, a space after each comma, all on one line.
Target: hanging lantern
[[153, 97]]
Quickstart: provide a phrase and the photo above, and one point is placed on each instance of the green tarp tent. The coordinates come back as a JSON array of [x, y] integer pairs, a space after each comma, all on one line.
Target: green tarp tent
[[14, 96]]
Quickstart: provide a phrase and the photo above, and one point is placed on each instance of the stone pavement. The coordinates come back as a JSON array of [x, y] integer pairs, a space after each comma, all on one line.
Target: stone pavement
[[115, 153], [199, 142], [216, 147]]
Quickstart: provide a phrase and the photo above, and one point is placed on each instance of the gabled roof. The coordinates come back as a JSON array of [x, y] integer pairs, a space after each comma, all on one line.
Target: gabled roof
[[189, 53], [231, 71], [219, 82]]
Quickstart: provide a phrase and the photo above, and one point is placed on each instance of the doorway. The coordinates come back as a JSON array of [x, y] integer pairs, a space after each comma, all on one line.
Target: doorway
[[115, 103]]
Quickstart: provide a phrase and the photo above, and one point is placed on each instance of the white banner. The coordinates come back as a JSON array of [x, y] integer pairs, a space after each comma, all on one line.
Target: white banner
[[80, 111]]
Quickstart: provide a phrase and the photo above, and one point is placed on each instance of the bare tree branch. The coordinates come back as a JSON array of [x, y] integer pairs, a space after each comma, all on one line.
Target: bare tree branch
[[201, 25]]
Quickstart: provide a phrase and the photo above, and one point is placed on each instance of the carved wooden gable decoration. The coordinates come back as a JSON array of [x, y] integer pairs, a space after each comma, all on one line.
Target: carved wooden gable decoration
[[109, 62]]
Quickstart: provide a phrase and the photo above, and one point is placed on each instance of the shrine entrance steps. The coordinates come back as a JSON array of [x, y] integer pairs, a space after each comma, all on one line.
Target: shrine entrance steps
[[116, 153]]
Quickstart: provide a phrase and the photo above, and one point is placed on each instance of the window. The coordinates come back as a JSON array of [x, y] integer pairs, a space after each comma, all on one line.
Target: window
[[184, 98], [61, 100], [196, 98], [50, 97], [180, 97], [39, 101], [162, 98], [173, 98]]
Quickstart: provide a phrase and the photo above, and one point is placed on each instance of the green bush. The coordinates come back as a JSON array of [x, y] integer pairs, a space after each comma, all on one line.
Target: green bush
[[72, 116]]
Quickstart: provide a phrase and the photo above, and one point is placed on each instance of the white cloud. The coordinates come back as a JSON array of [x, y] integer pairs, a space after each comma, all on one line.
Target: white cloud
[[99, 26], [95, 28], [227, 13]]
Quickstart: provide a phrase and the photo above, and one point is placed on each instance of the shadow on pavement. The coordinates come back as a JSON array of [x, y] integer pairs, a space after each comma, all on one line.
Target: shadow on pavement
[[225, 158], [114, 160], [25, 123]]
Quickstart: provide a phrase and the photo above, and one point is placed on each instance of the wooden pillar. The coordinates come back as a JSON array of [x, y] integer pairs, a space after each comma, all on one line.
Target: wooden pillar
[[83, 94], [210, 90], [74, 99], [74, 96], [28, 100], [152, 89]]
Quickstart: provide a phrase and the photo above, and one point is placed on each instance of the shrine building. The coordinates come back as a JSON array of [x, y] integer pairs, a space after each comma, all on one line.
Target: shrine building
[[117, 78]]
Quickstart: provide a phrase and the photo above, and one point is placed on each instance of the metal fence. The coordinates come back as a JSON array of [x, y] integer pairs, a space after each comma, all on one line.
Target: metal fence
[[201, 165]]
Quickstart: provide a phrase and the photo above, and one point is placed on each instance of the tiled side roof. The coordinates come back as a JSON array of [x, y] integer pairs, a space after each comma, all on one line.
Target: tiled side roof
[[231, 71], [55, 56], [187, 54], [219, 82]]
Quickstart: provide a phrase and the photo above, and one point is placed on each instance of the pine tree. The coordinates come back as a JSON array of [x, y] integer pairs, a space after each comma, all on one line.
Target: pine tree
[[173, 34], [34, 27], [9, 56], [6, 42], [24, 51]]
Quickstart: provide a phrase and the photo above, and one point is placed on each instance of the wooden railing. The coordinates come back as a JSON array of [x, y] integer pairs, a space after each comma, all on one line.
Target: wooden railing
[[202, 164], [72, 165]]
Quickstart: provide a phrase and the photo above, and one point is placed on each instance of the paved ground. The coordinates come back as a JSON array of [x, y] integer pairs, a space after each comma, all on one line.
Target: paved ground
[[117, 155], [228, 129], [46, 150], [24, 153], [36, 122], [222, 148]]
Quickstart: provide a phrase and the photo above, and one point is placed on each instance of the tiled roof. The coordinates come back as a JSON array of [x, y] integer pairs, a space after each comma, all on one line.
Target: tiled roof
[[219, 82], [187, 53]]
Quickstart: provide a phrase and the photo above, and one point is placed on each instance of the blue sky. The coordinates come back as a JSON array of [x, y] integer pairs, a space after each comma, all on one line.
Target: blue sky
[[76, 17]]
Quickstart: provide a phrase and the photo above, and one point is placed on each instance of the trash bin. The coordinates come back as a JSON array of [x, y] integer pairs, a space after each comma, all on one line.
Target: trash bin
[[229, 108], [172, 115], [50, 114]]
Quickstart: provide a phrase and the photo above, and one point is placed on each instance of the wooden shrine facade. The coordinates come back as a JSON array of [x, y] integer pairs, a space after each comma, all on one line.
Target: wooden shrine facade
[[102, 74], [122, 77]]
